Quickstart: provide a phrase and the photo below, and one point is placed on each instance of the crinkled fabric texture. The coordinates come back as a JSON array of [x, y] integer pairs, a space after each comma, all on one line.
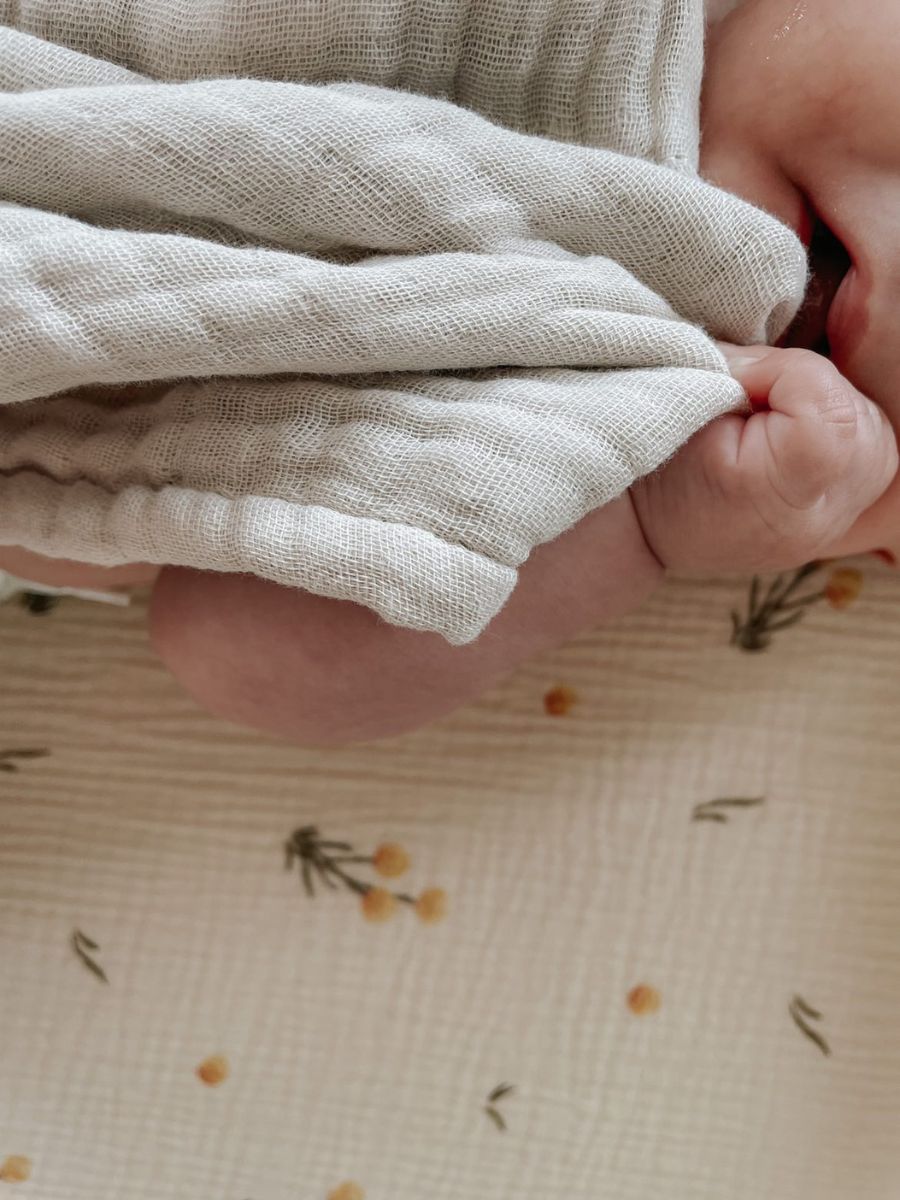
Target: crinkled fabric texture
[[368, 297], [619, 942]]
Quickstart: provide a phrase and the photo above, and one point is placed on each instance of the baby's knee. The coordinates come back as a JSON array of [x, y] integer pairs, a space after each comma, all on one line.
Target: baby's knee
[[326, 672], [315, 671]]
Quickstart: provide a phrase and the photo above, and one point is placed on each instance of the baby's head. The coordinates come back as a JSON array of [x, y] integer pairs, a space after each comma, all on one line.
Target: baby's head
[[801, 116]]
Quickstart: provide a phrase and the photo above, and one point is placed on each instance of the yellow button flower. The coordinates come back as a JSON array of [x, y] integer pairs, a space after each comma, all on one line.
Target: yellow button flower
[[390, 860], [378, 904], [559, 701], [431, 906], [347, 1191], [214, 1070], [16, 1169], [644, 1000], [843, 587]]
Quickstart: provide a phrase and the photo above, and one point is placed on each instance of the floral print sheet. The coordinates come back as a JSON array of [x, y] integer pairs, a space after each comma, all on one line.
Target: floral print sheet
[[629, 927]]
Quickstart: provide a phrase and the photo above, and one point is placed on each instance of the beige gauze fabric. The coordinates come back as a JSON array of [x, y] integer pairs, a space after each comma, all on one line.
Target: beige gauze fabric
[[414, 284]]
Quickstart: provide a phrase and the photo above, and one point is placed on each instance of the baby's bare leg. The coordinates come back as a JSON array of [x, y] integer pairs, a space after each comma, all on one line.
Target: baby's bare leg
[[322, 671], [325, 671], [62, 572]]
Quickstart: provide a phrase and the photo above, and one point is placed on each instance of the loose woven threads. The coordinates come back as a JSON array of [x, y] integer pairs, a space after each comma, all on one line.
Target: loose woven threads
[[534, 232]]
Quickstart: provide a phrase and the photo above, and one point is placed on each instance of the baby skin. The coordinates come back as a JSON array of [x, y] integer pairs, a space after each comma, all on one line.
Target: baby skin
[[808, 471], [783, 484]]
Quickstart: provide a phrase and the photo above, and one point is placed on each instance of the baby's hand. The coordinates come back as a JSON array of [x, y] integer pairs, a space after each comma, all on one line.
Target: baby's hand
[[779, 486]]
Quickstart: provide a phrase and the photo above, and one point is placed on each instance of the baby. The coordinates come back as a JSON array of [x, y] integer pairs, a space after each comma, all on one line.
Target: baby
[[800, 116]]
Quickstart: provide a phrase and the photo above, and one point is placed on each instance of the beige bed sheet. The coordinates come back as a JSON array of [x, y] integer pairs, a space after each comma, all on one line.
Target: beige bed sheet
[[627, 968]]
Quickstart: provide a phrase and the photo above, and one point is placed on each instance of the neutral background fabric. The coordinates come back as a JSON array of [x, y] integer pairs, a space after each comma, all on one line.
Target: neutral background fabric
[[573, 872], [538, 259]]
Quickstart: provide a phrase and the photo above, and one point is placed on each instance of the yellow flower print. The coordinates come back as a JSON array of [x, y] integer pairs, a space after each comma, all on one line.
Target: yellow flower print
[[347, 1191], [16, 1169], [378, 904], [843, 587], [390, 860], [644, 1000], [560, 700], [214, 1070], [431, 906], [335, 864]]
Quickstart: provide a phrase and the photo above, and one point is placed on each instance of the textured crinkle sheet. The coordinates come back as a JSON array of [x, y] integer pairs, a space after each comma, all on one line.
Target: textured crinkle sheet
[[599, 922]]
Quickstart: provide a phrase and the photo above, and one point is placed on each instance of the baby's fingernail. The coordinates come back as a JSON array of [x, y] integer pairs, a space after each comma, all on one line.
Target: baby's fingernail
[[741, 357], [741, 363]]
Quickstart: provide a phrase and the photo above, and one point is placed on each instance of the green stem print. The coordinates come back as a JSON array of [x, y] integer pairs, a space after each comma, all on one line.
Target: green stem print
[[10, 759], [325, 863], [780, 607], [801, 1014], [38, 603], [714, 810], [491, 1109], [84, 947]]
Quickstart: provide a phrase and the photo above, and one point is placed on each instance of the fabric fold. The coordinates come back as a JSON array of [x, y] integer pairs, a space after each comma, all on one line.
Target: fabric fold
[[322, 169], [280, 477], [371, 308], [624, 74], [83, 305]]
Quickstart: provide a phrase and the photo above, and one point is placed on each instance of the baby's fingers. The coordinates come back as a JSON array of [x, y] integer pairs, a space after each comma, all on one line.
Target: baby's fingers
[[823, 434], [798, 383], [819, 436]]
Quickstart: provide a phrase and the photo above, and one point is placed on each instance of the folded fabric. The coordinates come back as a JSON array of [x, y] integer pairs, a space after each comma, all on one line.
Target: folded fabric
[[391, 344]]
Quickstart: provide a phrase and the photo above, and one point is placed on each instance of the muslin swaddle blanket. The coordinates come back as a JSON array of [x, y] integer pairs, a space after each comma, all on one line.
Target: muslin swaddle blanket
[[419, 283]]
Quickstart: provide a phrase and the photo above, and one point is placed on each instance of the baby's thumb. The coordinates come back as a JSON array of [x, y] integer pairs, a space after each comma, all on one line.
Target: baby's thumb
[[756, 368]]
